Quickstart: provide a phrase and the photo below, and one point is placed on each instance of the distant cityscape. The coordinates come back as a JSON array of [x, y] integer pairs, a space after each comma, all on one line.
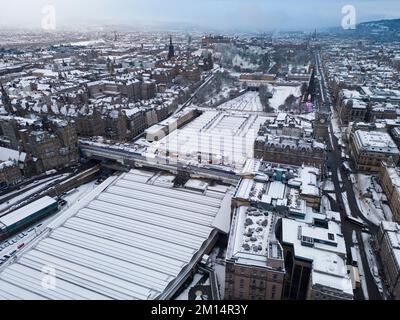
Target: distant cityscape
[[179, 165]]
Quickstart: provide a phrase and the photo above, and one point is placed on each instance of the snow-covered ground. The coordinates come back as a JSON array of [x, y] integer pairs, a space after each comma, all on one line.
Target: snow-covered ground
[[330, 136], [369, 197], [339, 175], [239, 61], [214, 99], [337, 131], [280, 94]]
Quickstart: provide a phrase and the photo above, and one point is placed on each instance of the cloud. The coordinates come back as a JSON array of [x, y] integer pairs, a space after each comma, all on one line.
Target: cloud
[[238, 14]]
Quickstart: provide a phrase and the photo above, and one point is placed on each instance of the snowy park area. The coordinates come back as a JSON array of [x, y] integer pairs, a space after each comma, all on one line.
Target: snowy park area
[[370, 198], [239, 61], [281, 93]]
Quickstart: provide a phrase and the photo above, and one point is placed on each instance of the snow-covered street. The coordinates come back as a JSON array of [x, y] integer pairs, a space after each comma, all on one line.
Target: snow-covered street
[[372, 261]]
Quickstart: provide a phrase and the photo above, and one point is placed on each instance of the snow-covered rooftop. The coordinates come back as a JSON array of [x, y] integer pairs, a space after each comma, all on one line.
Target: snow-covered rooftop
[[225, 137], [11, 154], [324, 248], [135, 238], [24, 212], [375, 141], [252, 240]]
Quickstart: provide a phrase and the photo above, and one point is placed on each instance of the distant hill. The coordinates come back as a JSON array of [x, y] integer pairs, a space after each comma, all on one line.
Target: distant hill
[[383, 29], [381, 26]]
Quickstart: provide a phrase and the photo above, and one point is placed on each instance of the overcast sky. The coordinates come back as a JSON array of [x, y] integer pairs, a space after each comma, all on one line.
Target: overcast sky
[[257, 15]]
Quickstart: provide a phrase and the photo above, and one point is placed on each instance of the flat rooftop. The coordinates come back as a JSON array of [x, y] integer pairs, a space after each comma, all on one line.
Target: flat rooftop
[[26, 211], [252, 240], [325, 249], [265, 183], [376, 141], [133, 237]]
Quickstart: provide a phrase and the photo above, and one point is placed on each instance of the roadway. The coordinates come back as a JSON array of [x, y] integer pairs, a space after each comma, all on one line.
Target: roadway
[[342, 184]]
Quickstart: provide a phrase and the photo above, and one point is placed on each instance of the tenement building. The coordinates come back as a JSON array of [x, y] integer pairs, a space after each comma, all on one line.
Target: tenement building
[[290, 150], [389, 178], [388, 241]]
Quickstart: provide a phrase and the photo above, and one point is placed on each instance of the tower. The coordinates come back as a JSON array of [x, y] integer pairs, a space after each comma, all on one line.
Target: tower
[[321, 126], [171, 50], [6, 99]]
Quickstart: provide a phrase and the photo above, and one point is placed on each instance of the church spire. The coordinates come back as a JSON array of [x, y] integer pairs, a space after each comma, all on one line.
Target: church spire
[[171, 51]]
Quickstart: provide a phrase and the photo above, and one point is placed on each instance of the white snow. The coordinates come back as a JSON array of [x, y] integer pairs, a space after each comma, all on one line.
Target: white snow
[[369, 199], [33, 232], [346, 204], [185, 294], [280, 94], [104, 246], [249, 102], [361, 271], [9, 205], [24, 212], [10, 154], [239, 61], [332, 196], [328, 185], [372, 261]]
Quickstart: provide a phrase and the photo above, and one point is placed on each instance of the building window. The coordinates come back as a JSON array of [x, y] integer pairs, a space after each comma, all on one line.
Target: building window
[[273, 292], [331, 236]]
